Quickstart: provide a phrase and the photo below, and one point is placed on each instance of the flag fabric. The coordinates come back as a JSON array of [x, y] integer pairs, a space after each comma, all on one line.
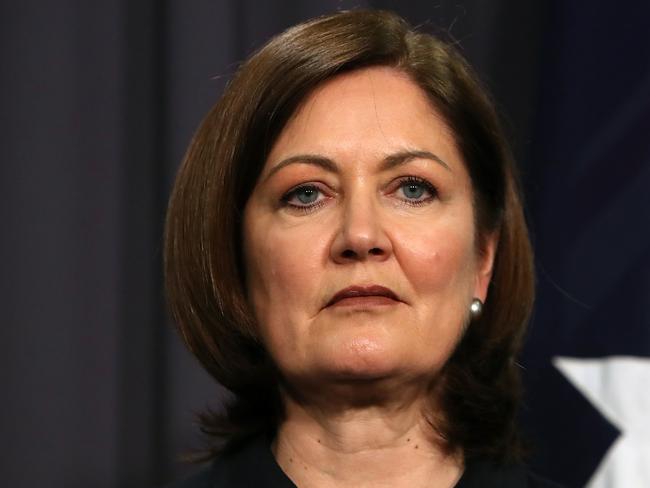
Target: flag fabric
[[587, 359]]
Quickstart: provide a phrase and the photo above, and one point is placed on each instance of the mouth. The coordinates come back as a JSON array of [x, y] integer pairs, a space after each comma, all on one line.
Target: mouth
[[364, 295]]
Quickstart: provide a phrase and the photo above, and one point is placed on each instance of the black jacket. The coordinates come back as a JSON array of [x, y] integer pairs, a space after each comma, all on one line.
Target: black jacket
[[254, 466]]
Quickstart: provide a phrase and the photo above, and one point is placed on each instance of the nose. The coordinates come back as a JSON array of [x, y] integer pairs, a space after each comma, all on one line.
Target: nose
[[361, 233]]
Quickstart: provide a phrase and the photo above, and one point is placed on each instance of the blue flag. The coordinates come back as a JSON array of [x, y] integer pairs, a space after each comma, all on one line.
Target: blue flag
[[587, 360]]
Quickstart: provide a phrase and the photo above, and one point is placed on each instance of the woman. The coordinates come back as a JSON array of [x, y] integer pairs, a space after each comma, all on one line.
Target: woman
[[346, 252]]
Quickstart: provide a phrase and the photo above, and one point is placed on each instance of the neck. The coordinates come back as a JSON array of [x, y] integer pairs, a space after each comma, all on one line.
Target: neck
[[363, 444]]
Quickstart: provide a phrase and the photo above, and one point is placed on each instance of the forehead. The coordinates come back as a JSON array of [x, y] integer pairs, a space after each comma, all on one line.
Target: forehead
[[366, 113]]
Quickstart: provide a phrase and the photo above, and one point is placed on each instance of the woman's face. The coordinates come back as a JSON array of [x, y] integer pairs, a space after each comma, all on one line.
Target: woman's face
[[364, 188]]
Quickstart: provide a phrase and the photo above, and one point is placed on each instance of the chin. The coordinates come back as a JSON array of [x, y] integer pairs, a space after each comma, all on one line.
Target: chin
[[364, 358]]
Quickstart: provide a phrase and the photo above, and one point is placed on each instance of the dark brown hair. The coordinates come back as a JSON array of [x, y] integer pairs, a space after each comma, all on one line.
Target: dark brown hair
[[204, 271]]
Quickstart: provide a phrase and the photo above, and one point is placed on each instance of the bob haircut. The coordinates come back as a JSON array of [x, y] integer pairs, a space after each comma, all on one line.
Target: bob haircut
[[479, 388]]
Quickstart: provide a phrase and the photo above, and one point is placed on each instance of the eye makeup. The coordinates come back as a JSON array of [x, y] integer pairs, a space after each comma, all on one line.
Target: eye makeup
[[415, 191]]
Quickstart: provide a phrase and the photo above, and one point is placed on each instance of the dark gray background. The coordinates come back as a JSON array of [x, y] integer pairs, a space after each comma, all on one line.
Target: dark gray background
[[98, 101]]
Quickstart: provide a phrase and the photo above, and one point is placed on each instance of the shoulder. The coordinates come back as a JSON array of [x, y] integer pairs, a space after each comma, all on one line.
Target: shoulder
[[484, 474], [251, 465], [201, 479]]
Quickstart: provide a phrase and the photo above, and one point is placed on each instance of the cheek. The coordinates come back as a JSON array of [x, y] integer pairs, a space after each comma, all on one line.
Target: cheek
[[438, 265], [283, 272], [284, 287], [438, 258]]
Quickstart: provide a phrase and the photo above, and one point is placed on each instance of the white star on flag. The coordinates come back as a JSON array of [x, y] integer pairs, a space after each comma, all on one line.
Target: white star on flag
[[619, 387]]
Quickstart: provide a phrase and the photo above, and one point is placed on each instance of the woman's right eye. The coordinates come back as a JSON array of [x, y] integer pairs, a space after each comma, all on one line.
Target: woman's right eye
[[303, 197]]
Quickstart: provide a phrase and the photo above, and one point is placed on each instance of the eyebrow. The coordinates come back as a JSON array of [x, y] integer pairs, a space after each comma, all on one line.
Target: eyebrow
[[389, 162]]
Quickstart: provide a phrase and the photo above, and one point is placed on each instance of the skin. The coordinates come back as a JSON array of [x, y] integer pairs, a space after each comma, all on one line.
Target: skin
[[357, 377]]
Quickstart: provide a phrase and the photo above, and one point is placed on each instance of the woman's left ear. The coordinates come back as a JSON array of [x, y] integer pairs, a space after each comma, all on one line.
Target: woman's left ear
[[485, 264]]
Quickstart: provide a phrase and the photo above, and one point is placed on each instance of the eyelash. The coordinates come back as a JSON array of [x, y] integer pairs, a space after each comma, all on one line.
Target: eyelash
[[408, 180], [302, 208], [433, 192]]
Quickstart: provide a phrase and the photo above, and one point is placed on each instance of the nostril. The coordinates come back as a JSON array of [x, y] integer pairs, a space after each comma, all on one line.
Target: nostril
[[349, 253]]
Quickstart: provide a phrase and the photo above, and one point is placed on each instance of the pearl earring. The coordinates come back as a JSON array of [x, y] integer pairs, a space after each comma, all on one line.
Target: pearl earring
[[476, 308]]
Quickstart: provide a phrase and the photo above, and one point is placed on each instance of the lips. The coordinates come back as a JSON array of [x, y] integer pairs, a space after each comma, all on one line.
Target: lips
[[363, 291]]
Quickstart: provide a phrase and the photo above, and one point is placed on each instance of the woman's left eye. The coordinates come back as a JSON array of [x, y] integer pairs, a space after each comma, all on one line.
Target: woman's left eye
[[416, 190]]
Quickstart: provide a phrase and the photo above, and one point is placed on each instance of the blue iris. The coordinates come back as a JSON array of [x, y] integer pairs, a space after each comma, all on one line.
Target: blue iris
[[307, 194], [413, 190]]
